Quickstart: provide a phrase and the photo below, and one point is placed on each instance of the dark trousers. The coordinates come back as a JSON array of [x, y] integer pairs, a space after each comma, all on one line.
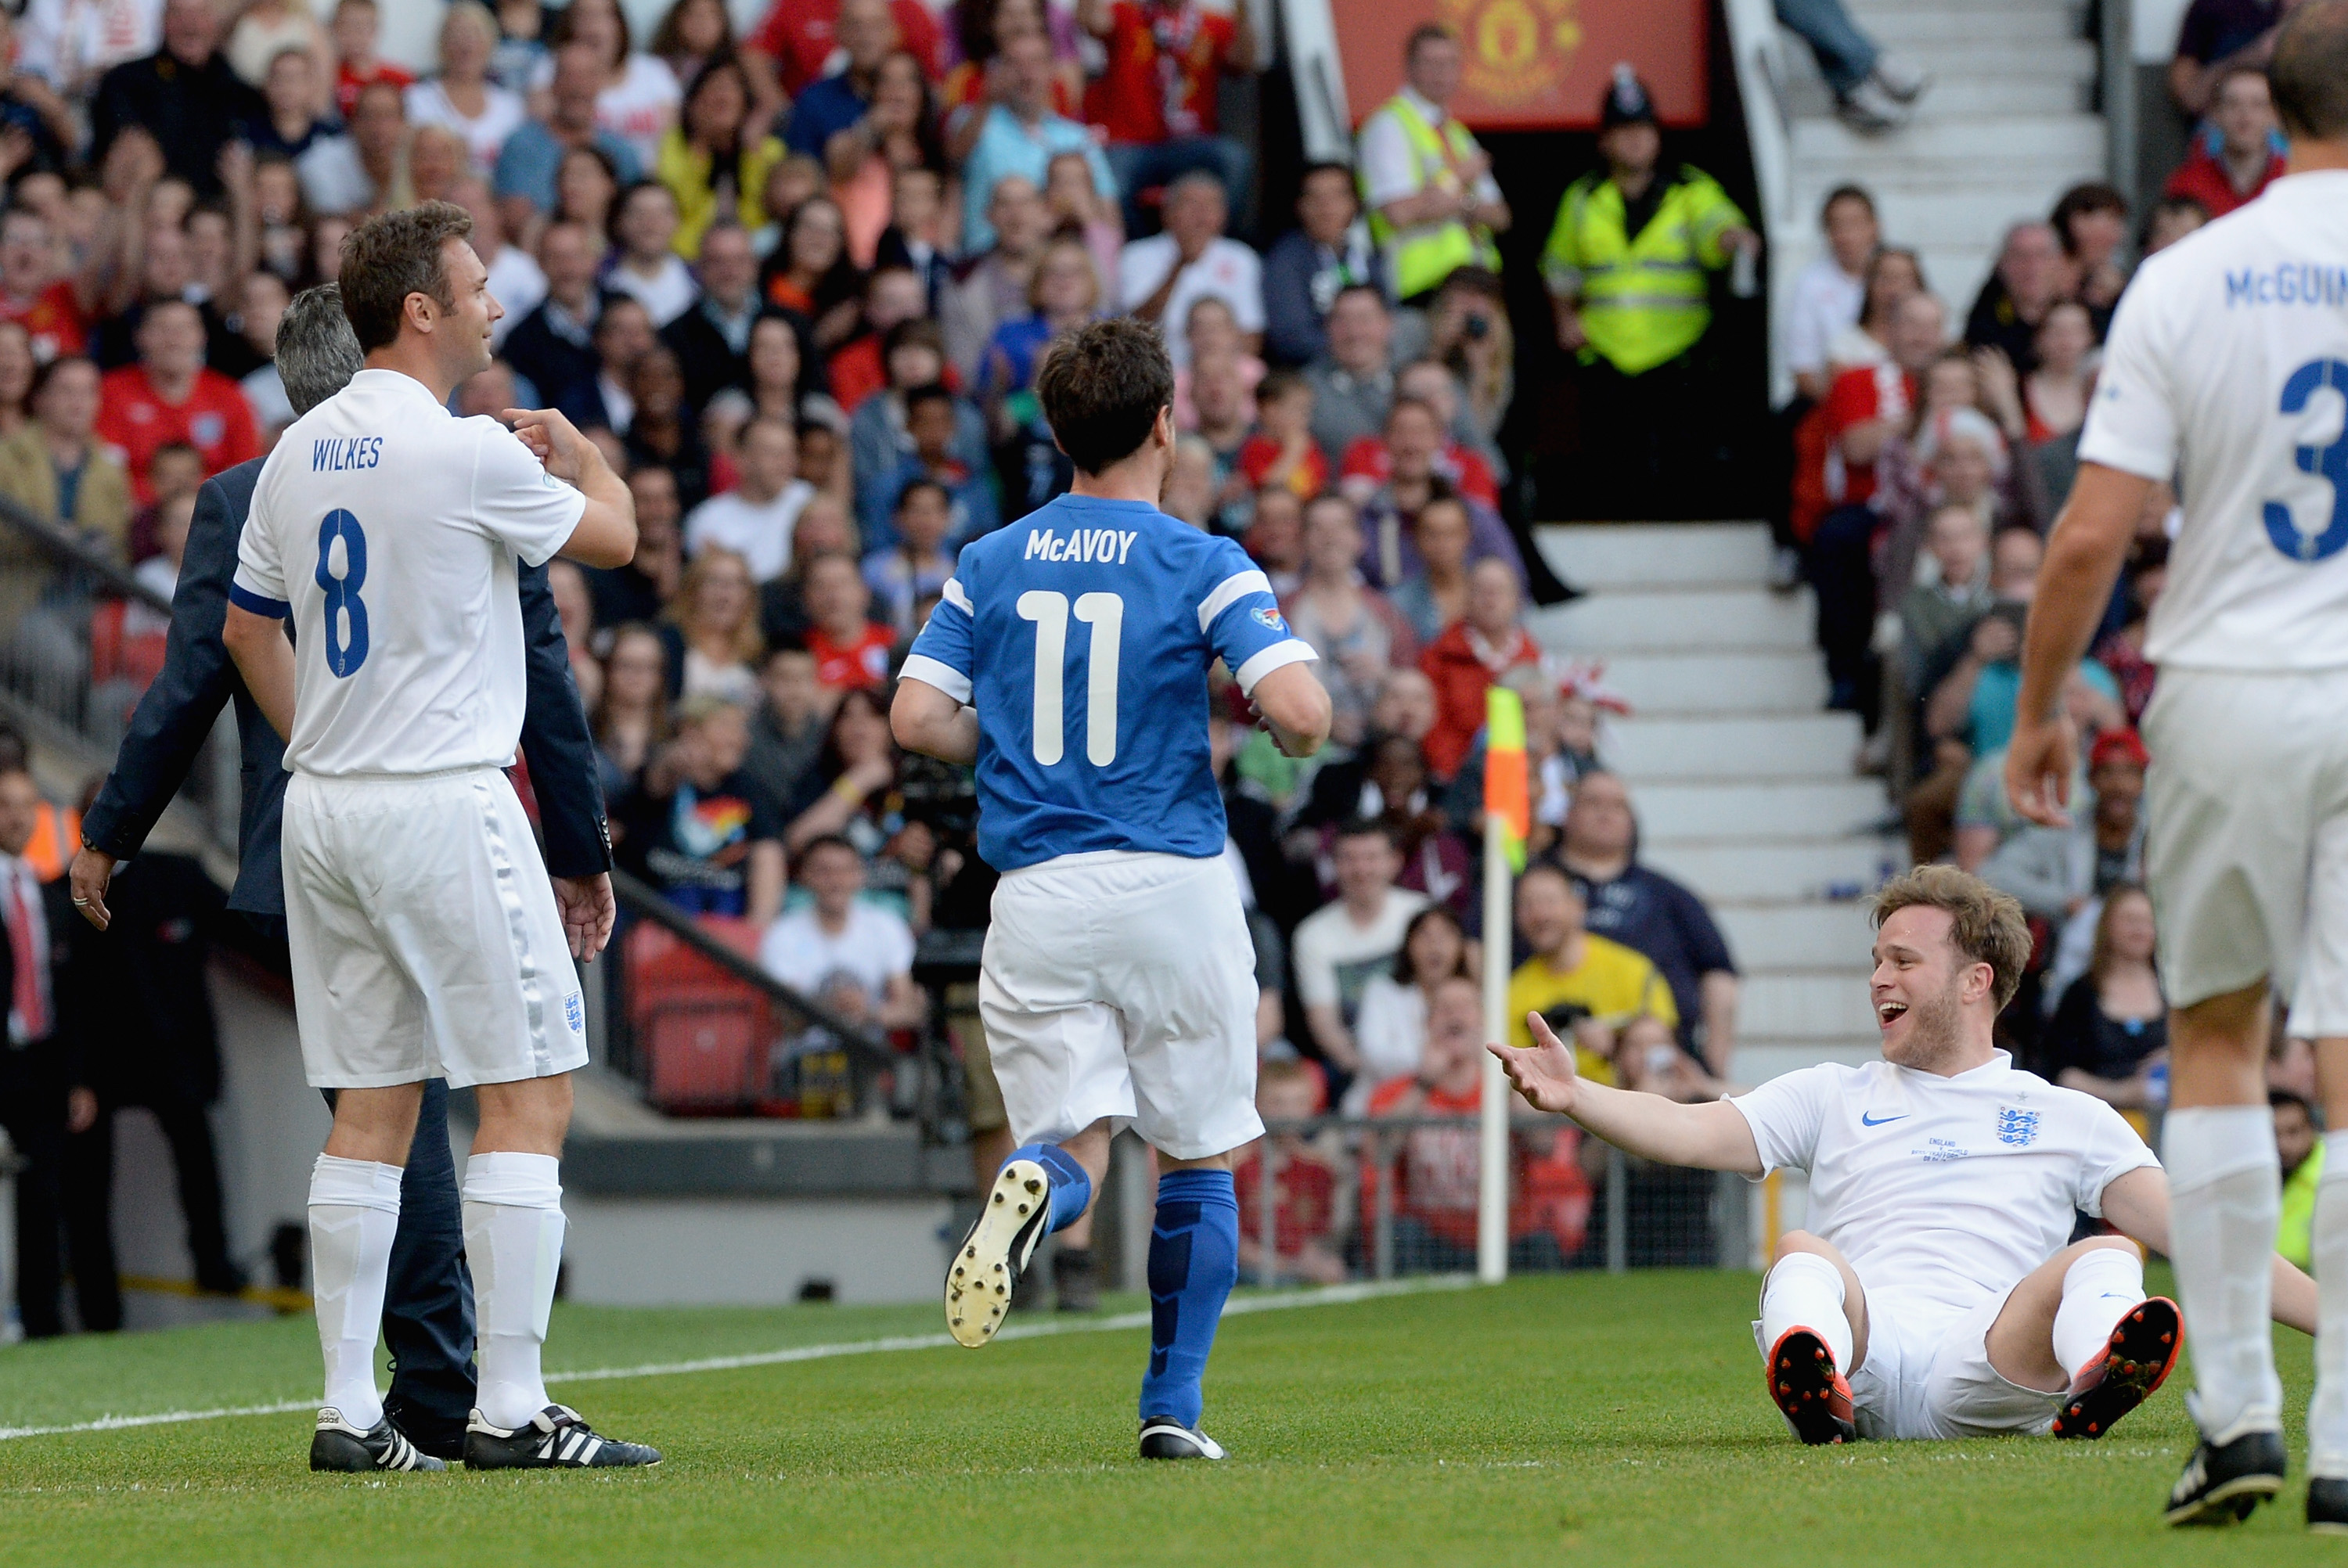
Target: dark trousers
[[427, 1312], [90, 1176], [1652, 444], [1842, 571], [33, 1109]]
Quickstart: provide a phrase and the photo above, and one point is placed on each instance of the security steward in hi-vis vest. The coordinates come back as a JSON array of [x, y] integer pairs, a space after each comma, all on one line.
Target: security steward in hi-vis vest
[[1628, 266], [1426, 185]]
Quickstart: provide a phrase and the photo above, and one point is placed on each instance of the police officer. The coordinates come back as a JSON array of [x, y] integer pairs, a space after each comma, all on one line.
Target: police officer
[[1627, 264]]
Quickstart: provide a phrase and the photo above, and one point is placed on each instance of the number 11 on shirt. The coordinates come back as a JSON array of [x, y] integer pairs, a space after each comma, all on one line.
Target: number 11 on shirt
[[1105, 613]]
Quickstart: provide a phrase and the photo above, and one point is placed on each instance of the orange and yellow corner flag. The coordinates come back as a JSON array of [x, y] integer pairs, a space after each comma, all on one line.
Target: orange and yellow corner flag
[[1508, 798]]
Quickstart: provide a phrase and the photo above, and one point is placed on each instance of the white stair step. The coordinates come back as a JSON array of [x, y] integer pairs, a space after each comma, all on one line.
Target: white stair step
[[1714, 617], [1960, 98], [1757, 811], [1792, 746], [1979, 143], [1985, 55], [1734, 868], [1923, 30], [1664, 555], [1659, 684], [1766, 937], [1820, 1005], [1759, 1061]]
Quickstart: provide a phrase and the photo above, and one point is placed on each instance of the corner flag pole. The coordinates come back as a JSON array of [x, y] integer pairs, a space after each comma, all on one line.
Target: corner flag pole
[[1508, 817]]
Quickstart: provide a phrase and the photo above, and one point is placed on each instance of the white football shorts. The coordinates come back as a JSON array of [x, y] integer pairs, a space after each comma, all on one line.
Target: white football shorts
[[1928, 1375], [2247, 837], [424, 937], [1122, 984]]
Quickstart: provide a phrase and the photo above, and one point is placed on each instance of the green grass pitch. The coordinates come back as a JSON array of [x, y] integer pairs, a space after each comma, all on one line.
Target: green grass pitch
[[1580, 1418]]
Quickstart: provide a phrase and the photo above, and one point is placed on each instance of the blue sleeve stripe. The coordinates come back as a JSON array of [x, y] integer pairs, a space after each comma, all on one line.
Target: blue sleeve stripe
[[244, 598], [1232, 589], [934, 672], [953, 593], [1291, 651]]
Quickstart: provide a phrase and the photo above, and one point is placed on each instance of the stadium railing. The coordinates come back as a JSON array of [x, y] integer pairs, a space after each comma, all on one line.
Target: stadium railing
[[80, 639], [693, 1020], [1381, 1197]]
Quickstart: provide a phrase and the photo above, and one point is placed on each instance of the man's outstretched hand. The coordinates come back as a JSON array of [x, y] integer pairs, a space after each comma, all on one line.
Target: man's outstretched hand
[[1543, 1074], [588, 912]]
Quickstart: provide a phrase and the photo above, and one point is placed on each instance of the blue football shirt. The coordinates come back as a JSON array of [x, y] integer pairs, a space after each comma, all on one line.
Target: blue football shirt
[[1082, 633]]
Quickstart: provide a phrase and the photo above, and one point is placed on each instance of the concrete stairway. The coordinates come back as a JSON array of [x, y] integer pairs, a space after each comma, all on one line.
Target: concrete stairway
[[1744, 784], [2005, 129]]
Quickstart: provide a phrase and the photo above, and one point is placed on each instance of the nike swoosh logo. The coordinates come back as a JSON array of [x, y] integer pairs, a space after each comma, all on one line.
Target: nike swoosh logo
[[1867, 1121]]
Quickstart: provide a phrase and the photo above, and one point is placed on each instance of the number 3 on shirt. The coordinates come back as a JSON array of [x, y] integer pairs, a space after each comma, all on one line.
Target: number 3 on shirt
[[1105, 613], [2330, 462], [346, 618]]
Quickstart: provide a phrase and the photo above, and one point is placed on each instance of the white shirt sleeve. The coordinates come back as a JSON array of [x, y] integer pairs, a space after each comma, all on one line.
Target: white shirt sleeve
[[2109, 1150], [258, 585], [1389, 172], [1316, 971], [1247, 296], [1141, 266], [1808, 325], [2131, 422], [1785, 1114], [516, 501]]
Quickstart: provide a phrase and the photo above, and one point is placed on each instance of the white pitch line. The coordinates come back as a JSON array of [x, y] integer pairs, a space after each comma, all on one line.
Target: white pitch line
[[1326, 1296]]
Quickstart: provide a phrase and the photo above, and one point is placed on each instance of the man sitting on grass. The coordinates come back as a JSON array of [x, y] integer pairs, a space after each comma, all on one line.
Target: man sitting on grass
[[1938, 1297]]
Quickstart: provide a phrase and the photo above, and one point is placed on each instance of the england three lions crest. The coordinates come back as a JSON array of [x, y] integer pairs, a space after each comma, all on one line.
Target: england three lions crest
[[2019, 1128]]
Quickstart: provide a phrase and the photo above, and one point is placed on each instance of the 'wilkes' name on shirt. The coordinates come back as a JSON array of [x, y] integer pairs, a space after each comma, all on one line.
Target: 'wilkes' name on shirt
[[338, 453], [1081, 545]]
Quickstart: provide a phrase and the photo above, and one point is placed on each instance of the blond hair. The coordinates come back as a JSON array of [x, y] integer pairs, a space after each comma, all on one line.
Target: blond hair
[[1985, 925]]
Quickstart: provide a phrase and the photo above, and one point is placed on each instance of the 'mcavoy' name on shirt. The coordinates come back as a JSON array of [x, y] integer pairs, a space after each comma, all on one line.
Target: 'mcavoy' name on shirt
[[1081, 545], [337, 453]]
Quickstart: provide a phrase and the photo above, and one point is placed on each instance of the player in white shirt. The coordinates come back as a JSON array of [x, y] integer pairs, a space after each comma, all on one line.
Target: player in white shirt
[[1936, 1293], [2226, 371], [426, 940]]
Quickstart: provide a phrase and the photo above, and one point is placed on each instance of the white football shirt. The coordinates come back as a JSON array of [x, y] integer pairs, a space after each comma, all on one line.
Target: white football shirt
[[388, 528], [2227, 368], [1945, 1190]]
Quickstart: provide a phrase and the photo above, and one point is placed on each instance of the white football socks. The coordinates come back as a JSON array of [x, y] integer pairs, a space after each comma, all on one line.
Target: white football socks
[[2225, 1198], [354, 1214], [2327, 1417], [513, 1239], [1806, 1291], [2102, 1286]]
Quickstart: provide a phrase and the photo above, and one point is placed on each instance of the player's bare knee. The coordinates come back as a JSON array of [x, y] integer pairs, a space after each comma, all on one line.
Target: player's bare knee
[[1793, 1242], [527, 1116]]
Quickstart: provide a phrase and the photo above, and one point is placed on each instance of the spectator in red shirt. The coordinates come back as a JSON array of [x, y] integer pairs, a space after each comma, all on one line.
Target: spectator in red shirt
[[1156, 99], [1473, 652], [1281, 451], [2235, 156], [1436, 1168], [168, 395], [1871, 402], [32, 292], [1365, 464], [355, 28], [891, 294], [799, 37], [1303, 1183], [851, 651]]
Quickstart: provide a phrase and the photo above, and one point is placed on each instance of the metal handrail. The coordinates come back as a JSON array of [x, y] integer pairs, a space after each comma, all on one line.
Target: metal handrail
[[61, 540], [644, 902]]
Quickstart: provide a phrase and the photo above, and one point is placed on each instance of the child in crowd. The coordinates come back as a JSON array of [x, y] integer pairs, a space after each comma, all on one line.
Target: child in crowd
[[933, 418], [1281, 454], [1303, 1183], [1079, 210], [920, 233], [355, 28], [917, 564], [1275, 539], [514, 64]]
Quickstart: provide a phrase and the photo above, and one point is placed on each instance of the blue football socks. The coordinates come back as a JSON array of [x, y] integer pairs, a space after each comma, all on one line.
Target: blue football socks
[[1194, 1261], [1072, 1190]]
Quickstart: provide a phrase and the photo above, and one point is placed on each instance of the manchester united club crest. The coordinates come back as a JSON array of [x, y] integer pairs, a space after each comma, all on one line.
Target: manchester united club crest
[[1517, 50]]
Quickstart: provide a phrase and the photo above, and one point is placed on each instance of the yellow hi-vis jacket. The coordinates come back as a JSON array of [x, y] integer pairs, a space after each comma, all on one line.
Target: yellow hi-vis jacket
[[1642, 298], [1423, 255]]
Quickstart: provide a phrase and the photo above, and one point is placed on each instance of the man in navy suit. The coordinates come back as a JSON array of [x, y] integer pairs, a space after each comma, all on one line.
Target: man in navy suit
[[427, 1319]]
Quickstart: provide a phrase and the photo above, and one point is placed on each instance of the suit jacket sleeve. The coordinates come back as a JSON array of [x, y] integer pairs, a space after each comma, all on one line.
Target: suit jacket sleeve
[[556, 739], [179, 710]]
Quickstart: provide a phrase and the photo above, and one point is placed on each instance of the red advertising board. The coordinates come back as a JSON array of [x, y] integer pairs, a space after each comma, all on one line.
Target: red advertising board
[[1532, 65]]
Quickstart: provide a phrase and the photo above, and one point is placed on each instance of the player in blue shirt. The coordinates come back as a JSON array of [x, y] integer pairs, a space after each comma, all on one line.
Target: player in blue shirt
[[1068, 661]]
